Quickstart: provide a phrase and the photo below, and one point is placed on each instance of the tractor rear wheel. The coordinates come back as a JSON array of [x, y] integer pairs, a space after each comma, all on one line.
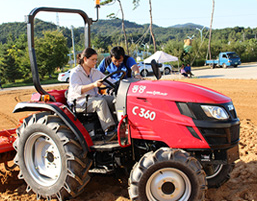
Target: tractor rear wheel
[[217, 175], [167, 174], [52, 162]]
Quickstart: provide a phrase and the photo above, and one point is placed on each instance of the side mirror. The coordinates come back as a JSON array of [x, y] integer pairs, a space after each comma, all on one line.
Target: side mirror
[[156, 70]]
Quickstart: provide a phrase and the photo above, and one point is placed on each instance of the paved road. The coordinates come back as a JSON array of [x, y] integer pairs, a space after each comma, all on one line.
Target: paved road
[[244, 71]]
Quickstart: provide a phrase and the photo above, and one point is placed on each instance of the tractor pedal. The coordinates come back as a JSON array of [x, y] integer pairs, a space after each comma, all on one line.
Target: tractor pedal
[[101, 171], [105, 146]]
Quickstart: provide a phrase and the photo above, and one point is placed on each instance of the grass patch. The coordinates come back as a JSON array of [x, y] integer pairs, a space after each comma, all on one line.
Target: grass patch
[[29, 82], [45, 80]]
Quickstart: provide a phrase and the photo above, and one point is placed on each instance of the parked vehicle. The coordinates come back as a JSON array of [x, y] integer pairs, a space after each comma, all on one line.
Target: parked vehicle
[[146, 68], [64, 77], [176, 138], [225, 59]]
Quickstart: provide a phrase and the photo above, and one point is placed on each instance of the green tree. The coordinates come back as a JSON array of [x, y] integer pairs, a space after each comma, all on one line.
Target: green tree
[[1, 61], [9, 65], [112, 15], [99, 41], [247, 50], [22, 56], [173, 47], [51, 52]]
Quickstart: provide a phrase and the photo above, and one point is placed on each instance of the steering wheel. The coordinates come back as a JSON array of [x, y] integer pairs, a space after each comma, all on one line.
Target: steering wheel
[[110, 84]]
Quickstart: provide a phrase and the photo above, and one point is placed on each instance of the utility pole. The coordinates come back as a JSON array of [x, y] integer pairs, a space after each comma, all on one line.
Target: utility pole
[[151, 26], [123, 27], [57, 22], [209, 45], [73, 45]]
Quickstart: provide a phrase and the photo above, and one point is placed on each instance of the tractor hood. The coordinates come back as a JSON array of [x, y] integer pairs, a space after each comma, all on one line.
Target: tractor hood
[[176, 91]]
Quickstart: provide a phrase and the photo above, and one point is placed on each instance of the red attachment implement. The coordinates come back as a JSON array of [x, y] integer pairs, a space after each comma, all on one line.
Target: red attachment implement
[[7, 137]]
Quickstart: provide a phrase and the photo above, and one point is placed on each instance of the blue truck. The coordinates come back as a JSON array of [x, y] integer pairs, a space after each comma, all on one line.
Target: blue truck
[[225, 60]]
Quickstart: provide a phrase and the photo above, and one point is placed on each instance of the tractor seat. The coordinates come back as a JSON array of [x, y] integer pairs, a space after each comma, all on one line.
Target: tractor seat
[[79, 111]]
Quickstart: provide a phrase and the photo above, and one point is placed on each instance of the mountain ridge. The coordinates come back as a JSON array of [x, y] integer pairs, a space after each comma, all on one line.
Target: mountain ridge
[[187, 25], [107, 28], [108, 32]]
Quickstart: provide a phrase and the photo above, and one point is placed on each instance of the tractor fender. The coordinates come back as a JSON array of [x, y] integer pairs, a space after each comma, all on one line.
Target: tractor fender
[[65, 114]]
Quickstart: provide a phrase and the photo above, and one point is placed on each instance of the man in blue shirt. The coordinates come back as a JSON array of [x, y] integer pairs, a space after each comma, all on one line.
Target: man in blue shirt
[[119, 61]]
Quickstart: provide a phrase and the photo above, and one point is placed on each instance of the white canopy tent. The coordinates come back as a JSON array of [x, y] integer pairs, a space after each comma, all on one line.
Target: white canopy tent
[[161, 57]]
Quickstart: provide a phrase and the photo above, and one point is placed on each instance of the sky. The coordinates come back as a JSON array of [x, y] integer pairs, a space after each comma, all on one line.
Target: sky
[[165, 13]]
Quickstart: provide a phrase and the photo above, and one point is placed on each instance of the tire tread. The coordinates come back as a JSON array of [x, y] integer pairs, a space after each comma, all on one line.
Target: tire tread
[[77, 166]]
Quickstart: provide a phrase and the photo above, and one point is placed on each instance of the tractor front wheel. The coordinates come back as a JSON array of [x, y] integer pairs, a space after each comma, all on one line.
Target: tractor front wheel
[[167, 174], [217, 175], [51, 160]]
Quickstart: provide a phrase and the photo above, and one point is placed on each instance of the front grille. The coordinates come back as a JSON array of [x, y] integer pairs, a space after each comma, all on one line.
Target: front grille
[[214, 136], [235, 130], [221, 136]]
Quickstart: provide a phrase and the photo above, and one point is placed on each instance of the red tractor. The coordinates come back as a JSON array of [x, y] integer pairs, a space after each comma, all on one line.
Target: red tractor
[[175, 138]]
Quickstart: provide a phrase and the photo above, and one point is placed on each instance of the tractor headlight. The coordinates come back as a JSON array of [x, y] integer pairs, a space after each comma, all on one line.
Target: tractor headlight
[[215, 112]]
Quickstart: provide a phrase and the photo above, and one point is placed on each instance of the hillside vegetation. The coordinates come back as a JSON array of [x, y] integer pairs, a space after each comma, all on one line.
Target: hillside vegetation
[[108, 33]]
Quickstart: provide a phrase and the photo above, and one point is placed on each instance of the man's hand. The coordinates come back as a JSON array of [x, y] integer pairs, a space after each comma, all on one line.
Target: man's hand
[[138, 76], [136, 71], [135, 68]]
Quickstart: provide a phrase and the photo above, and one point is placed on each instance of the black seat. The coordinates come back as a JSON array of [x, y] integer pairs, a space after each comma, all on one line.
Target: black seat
[[79, 112]]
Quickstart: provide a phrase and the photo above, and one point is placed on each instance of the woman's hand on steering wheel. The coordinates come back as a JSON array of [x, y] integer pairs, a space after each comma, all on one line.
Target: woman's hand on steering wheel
[[111, 85]]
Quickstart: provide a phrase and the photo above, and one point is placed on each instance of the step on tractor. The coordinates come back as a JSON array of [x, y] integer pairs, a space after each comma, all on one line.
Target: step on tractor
[[176, 139]]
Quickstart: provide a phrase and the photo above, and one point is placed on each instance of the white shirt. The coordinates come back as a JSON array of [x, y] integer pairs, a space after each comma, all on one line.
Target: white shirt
[[78, 78]]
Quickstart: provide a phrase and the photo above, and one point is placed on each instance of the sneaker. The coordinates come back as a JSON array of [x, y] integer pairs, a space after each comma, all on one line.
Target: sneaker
[[110, 135]]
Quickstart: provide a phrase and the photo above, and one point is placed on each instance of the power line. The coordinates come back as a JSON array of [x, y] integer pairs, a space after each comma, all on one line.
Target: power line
[[143, 36]]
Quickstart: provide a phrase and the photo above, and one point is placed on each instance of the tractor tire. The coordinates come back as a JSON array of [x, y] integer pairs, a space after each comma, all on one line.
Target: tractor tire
[[167, 175], [144, 73], [217, 175], [51, 160], [166, 71]]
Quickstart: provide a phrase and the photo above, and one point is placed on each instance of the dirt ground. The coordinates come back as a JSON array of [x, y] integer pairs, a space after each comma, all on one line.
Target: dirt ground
[[241, 186]]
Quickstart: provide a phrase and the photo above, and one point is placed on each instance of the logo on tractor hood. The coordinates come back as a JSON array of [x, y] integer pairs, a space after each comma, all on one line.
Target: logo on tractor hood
[[141, 89], [231, 107]]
